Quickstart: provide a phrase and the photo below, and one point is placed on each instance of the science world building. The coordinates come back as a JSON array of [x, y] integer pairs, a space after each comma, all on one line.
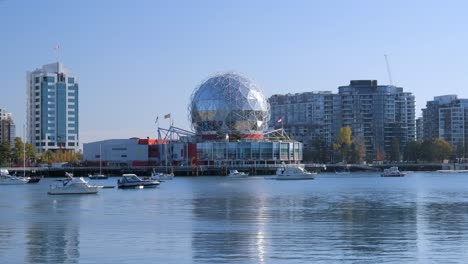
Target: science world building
[[229, 115]]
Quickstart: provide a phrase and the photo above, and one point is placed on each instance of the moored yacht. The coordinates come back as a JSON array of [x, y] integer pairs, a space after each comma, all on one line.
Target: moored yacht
[[133, 181], [392, 172], [293, 173], [237, 174], [74, 186], [7, 179]]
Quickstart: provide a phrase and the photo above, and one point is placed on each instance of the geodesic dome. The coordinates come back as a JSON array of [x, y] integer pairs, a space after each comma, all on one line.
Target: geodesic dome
[[229, 103]]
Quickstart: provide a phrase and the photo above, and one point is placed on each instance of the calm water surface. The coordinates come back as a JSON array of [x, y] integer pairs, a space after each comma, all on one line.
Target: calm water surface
[[356, 218]]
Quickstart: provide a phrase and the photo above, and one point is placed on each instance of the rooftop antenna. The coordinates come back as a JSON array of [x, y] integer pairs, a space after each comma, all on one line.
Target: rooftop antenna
[[388, 70]]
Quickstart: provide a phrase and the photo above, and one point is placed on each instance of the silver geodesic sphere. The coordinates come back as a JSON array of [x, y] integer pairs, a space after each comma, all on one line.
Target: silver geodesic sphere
[[229, 103]]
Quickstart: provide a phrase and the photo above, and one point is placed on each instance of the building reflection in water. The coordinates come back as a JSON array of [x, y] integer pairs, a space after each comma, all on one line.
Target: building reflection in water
[[53, 236], [296, 227]]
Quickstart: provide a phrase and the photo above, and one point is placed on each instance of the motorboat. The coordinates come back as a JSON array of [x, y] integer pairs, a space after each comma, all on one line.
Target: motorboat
[[74, 186], [97, 176], [133, 181], [7, 179], [32, 179], [293, 173], [159, 176], [237, 174], [392, 172]]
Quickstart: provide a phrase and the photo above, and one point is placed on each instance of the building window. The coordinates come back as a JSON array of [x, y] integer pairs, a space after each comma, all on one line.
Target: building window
[[71, 138], [49, 79], [50, 144], [71, 80], [36, 80], [71, 144]]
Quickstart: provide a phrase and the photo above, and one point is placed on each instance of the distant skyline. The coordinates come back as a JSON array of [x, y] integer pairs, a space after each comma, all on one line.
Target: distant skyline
[[137, 60]]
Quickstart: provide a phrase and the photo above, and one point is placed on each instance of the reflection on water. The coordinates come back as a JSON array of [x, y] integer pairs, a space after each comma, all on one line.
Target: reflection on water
[[360, 218], [53, 237]]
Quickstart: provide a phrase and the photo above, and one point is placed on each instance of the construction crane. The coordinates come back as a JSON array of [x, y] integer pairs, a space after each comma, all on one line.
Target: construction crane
[[388, 70]]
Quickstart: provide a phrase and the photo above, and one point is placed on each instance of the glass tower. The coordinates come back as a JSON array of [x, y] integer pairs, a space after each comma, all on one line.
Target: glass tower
[[52, 108]]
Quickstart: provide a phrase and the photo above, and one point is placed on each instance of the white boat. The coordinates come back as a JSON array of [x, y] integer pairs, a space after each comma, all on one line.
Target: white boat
[[97, 176], [159, 176], [133, 181], [237, 174], [392, 172], [292, 173], [74, 186], [7, 179]]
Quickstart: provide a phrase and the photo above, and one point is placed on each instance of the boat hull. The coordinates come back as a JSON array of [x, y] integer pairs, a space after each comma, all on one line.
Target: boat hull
[[137, 185], [288, 178], [60, 191]]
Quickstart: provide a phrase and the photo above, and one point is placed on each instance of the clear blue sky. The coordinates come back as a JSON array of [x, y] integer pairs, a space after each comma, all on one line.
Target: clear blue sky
[[137, 59]]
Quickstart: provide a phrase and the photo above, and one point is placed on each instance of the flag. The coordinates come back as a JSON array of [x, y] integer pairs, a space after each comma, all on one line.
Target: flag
[[57, 47], [157, 119], [167, 116], [280, 120]]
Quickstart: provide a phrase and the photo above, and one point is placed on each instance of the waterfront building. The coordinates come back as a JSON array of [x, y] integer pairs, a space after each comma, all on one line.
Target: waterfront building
[[309, 117], [7, 127], [378, 114], [229, 115], [446, 117], [52, 108]]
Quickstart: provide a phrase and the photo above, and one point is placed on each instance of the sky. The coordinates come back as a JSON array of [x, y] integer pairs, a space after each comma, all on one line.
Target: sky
[[136, 60]]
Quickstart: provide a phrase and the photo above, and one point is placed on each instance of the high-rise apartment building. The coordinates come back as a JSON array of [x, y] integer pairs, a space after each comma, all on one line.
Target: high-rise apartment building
[[379, 115], [308, 116], [446, 117], [52, 108], [7, 127], [419, 129]]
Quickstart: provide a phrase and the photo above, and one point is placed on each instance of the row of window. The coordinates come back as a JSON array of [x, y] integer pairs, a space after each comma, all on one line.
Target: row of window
[[52, 144], [71, 80]]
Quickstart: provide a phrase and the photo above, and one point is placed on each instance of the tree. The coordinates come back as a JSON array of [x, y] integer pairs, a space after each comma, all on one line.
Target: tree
[[47, 157], [31, 154], [344, 143], [413, 151], [443, 149], [435, 150], [320, 152], [395, 150], [17, 151], [357, 150], [5, 153], [460, 150]]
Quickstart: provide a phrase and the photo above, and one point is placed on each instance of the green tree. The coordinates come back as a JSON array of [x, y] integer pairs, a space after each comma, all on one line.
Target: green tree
[[443, 149], [17, 151], [460, 150], [47, 157], [31, 154], [357, 150], [395, 150], [5, 153], [435, 150], [320, 151], [413, 151]]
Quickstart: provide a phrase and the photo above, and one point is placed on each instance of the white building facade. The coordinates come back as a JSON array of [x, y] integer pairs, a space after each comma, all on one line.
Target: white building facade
[[52, 108]]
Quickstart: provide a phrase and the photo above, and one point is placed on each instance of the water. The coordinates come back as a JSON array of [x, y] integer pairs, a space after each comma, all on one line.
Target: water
[[356, 218]]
